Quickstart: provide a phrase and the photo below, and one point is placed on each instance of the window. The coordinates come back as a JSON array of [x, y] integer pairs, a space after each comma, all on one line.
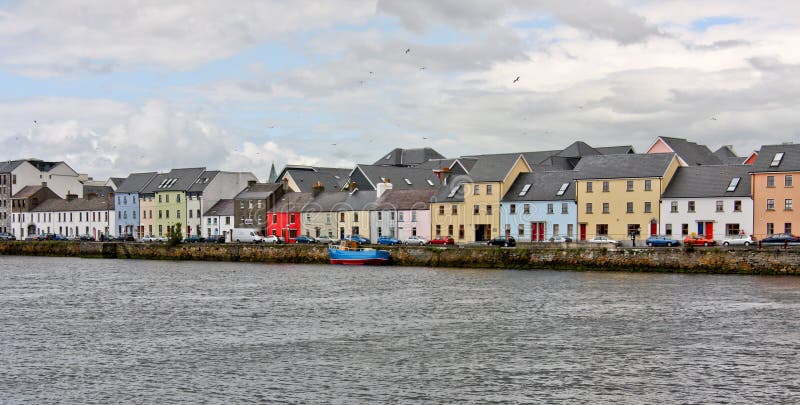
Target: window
[[569, 229], [601, 229], [241, 204], [159, 200], [520, 230], [259, 218], [476, 190], [684, 229], [629, 207], [414, 231], [178, 198], [776, 161], [524, 190], [526, 208], [454, 210], [606, 208], [178, 214], [770, 181], [555, 229], [441, 210], [734, 183], [787, 204], [630, 185], [648, 207], [476, 209], [488, 210], [588, 208], [400, 217], [488, 189], [512, 209], [355, 217], [166, 198], [588, 186], [634, 229], [673, 206], [564, 208], [380, 231], [250, 204], [787, 227], [668, 229], [341, 217], [732, 229], [461, 232], [227, 220], [190, 213], [550, 208], [648, 185], [160, 214], [453, 191], [720, 206], [737, 205], [438, 230], [407, 181], [508, 230], [274, 218], [690, 206], [770, 204], [787, 180], [166, 213], [606, 187], [258, 204], [380, 216], [770, 228], [563, 189], [449, 230]]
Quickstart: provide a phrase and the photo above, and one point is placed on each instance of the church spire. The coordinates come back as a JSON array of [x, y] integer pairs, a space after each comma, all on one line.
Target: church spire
[[273, 177]]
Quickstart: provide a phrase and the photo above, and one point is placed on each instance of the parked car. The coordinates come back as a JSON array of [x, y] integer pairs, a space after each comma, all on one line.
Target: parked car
[[698, 240], [560, 239], [738, 240], [149, 238], [7, 236], [304, 239], [86, 238], [128, 238], [415, 240], [327, 239], [218, 239], [272, 239], [780, 239], [194, 239], [53, 236], [662, 240], [33, 238], [443, 240], [358, 238], [247, 235], [502, 241], [600, 239], [387, 240]]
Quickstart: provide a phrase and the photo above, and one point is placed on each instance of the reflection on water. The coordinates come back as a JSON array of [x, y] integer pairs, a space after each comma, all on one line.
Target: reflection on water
[[75, 330]]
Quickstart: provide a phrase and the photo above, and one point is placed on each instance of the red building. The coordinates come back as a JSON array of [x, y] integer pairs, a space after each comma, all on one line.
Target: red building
[[285, 219]]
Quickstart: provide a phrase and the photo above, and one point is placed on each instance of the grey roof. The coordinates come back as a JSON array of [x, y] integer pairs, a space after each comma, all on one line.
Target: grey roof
[[544, 186], [203, 180], [332, 178], [40, 165], [99, 191], [10, 165], [691, 153], [258, 191], [419, 178], [117, 181], [175, 180], [708, 181], [615, 150], [789, 163], [538, 157], [578, 149], [435, 164], [27, 191], [404, 200], [223, 207], [78, 204], [136, 182], [735, 160], [623, 166], [492, 167], [725, 151], [453, 191], [408, 157], [341, 201], [292, 202]]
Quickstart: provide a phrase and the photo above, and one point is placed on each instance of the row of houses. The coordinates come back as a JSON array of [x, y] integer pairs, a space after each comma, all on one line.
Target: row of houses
[[676, 187]]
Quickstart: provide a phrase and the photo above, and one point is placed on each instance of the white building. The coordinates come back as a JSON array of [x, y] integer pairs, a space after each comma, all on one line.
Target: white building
[[218, 220], [73, 216], [401, 213], [708, 200], [211, 187]]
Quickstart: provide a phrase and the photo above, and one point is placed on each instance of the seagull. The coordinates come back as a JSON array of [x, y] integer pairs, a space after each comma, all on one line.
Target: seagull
[[516, 80], [35, 122], [580, 107], [422, 68], [424, 137], [408, 50], [333, 144], [361, 82], [370, 72], [713, 118]]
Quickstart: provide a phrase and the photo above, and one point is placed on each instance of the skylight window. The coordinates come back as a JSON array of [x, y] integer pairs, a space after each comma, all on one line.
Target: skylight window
[[524, 190], [453, 191], [562, 189], [777, 159], [163, 182], [734, 183], [408, 181], [430, 183]]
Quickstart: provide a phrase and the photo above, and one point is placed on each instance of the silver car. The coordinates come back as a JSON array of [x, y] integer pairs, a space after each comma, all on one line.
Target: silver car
[[415, 240], [327, 239], [738, 240]]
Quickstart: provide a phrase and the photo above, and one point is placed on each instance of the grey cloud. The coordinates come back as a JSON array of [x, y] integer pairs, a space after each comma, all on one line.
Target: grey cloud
[[719, 45]]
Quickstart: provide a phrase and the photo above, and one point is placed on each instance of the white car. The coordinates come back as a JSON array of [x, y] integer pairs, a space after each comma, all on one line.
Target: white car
[[150, 238], [327, 239], [560, 239], [738, 240], [604, 239], [272, 239], [415, 240]]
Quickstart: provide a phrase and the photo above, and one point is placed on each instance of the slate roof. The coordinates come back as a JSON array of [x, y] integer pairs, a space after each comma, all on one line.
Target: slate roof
[[446, 193], [175, 180], [223, 207], [404, 200], [100, 191], [789, 163], [332, 178], [615, 150], [258, 191], [203, 180], [578, 149], [117, 181], [78, 204], [691, 153], [623, 166], [725, 151], [10, 165], [408, 157], [436, 164], [27, 191], [708, 181], [341, 201], [40, 165], [544, 186], [136, 182], [397, 174], [492, 167], [292, 202]]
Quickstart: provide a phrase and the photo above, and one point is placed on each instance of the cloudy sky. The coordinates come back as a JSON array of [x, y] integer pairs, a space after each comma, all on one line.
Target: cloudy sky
[[114, 87]]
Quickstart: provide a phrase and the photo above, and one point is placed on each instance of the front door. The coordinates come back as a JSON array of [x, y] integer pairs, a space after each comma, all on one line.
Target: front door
[[653, 228], [583, 232], [537, 231], [709, 229]]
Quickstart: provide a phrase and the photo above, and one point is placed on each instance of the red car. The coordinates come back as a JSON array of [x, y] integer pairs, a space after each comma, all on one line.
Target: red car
[[699, 240], [443, 240]]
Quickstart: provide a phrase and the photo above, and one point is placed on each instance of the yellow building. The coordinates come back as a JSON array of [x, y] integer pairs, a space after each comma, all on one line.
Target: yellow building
[[163, 201], [620, 194], [468, 208]]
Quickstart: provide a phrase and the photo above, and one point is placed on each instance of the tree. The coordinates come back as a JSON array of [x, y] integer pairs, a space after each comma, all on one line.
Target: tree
[[175, 236]]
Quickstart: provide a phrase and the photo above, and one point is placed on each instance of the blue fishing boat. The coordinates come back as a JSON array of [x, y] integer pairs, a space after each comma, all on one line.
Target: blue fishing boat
[[354, 255]]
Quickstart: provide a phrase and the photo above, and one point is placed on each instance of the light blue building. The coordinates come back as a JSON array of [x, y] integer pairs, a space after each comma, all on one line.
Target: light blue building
[[540, 205], [126, 208]]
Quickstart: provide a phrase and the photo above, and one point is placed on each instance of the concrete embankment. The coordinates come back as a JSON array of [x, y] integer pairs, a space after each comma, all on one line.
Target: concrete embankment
[[705, 260]]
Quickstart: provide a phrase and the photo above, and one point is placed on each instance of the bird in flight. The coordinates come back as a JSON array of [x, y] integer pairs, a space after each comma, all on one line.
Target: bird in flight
[[422, 68], [408, 50], [35, 122], [713, 118], [516, 80]]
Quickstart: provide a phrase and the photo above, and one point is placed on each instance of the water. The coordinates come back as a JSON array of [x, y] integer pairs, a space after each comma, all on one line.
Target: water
[[78, 330]]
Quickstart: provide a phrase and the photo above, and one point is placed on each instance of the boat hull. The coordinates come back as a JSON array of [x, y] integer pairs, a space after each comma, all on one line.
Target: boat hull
[[356, 257]]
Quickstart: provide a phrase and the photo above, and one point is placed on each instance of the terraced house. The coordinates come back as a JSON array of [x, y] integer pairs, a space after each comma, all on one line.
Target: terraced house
[[540, 205], [210, 187], [774, 191], [164, 199], [127, 208], [251, 204], [619, 195]]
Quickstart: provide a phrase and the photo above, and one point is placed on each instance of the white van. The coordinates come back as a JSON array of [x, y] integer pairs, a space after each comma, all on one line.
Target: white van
[[246, 235]]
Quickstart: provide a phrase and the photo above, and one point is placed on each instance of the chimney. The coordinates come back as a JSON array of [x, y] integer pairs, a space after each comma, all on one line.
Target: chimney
[[384, 187], [317, 189], [443, 174], [250, 184], [44, 184], [71, 197]]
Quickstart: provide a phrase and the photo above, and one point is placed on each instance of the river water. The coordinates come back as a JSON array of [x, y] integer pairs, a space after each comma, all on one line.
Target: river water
[[110, 331]]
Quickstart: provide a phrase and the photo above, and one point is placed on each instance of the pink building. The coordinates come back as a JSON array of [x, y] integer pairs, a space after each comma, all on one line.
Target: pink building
[[402, 213]]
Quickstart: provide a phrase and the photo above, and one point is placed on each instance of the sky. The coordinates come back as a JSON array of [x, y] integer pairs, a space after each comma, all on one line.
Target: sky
[[115, 87]]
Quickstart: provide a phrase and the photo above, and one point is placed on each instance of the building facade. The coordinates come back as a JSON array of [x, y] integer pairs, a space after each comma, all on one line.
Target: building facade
[[127, 205], [773, 190], [539, 206]]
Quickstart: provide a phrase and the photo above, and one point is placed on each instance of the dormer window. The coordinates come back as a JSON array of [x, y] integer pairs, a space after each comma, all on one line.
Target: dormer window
[[430, 183], [776, 161], [408, 181], [562, 189], [524, 190], [453, 191], [734, 184]]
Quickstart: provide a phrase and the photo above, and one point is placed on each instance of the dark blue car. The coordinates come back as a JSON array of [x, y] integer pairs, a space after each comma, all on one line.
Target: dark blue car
[[780, 239], [358, 238], [387, 240], [662, 240], [304, 239]]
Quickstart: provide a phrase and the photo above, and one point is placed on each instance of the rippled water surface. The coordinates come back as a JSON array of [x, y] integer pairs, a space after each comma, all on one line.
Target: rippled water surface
[[109, 331]]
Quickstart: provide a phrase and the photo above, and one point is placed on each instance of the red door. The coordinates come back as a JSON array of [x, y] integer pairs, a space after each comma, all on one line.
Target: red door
[[709, 229], [583, 232], [537, 231], [653, 228]]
